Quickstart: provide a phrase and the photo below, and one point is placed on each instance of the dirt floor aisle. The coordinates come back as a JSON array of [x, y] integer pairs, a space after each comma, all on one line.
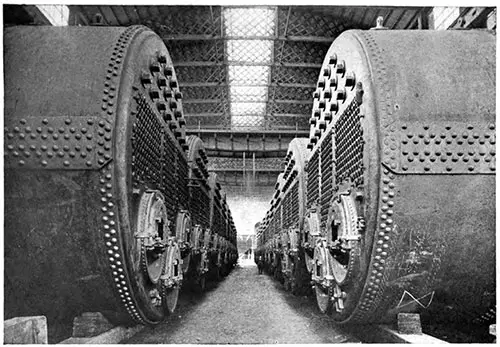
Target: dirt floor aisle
[[245, 308]]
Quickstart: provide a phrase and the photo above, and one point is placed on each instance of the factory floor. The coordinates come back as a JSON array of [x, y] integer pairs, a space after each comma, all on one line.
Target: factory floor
[[244, 308]]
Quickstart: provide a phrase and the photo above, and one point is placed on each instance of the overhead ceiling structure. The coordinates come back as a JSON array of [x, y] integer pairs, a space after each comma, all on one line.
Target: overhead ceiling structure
[[247, 73]]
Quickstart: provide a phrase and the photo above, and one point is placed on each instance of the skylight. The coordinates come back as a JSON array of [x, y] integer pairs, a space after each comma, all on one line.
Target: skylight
[[249, 48], [248, 75], [245, 93], [58, 15]]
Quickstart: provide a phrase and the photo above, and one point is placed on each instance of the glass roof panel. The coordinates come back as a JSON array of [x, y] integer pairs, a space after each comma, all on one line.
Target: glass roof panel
[[255, 51], [249, 62], [247, 93], [248, 108], [249, 21], [248, 75]]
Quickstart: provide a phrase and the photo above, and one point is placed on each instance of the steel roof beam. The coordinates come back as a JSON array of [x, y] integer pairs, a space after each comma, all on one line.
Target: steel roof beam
[[243, 63], [217, 101], [253, 38], [256, 132], [208, 114], [219, 84]]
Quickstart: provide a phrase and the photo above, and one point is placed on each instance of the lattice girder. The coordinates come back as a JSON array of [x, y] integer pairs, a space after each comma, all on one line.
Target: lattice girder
[[294, 75], [303, 23], [209, 93], [238, 164], [193, 122], [189, 51], [203, 108], [206, 74], [188, 20], [292, 93], [295, 108], [277, 122], [301, 52]]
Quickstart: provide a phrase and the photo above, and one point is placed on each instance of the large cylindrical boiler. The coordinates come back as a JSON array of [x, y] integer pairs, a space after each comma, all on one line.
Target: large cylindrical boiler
[[403, 157], [95, 173]]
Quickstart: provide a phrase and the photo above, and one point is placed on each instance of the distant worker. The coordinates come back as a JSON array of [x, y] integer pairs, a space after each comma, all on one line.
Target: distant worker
[[260, 264]]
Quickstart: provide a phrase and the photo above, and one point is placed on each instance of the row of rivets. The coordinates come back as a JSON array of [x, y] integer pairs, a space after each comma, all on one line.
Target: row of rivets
[[111, 237], [62, 150]]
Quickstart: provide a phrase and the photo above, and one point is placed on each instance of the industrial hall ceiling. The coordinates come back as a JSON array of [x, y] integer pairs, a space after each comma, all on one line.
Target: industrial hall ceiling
[[247, 73]]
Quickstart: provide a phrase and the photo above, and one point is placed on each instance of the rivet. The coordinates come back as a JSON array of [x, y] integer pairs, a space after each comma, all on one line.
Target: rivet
[[44, 163], [448, 168], [21, 162], [88, 163], [471, 167]]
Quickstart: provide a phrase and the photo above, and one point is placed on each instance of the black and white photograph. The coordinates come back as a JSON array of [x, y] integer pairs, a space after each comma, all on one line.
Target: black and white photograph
[[284, 173]]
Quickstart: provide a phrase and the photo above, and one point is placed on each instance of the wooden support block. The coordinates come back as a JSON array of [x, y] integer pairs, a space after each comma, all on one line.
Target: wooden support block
[[25, 330], [391, 336], [90, 324], [409, 323], [113, 336]]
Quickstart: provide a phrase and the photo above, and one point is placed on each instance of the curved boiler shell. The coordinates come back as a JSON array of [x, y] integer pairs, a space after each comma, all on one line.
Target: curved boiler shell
[[403, 148], [93, 135]]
